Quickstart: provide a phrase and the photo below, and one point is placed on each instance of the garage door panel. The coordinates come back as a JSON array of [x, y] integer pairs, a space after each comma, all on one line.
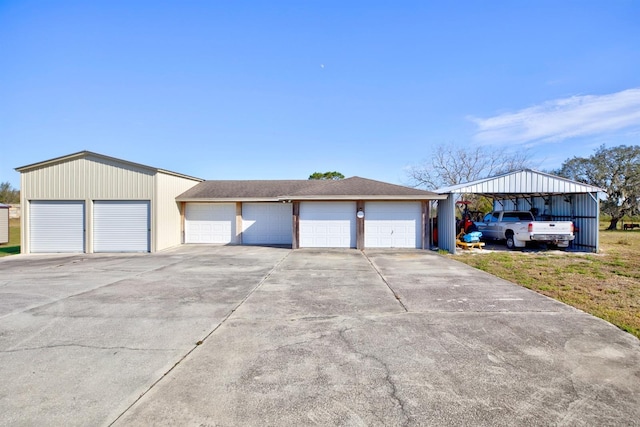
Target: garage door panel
[[393, 225], [210, 223], [121, 226], [328, 224], [267, 223], [56, 226]]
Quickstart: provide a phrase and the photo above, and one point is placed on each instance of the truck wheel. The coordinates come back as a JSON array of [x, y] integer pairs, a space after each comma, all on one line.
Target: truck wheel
[[511, 245]]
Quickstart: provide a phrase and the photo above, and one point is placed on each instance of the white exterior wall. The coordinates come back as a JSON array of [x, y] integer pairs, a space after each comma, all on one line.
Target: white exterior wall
[[86, 178], [166, 221]]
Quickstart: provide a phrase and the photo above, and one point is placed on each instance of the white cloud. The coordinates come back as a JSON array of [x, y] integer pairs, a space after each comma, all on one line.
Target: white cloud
[[577, 116]]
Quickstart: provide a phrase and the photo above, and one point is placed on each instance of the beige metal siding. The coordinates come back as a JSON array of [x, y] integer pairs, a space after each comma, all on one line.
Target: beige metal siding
[[88, 178], [166, 219]]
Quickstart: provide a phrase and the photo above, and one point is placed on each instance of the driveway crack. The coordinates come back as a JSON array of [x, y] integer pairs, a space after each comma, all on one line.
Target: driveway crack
[[94, 347], [386, 282], [388, 379]]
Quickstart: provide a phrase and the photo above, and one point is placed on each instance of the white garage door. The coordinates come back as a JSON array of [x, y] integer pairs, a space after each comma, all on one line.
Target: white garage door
[[392, 225], [56, 226], [121, 226], [210, 223], [327, 224], [267, 223]]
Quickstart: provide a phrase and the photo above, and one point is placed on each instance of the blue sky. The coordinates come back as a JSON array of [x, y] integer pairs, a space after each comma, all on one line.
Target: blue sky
[[279, 90]]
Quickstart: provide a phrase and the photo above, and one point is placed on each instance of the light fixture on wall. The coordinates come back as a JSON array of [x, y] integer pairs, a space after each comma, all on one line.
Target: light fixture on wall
[[360, 213]]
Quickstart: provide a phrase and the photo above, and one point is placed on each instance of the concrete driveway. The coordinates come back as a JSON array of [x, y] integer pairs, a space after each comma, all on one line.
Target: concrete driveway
[[226, 336]]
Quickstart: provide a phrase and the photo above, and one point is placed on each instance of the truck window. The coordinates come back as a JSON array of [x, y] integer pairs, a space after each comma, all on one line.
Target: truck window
[[511, 217], [496, 217], [516, 216], [487, 218]]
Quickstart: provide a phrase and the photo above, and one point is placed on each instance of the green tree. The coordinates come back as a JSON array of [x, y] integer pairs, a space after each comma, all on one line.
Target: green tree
[[8, 194], [616, 170], [328, 176]]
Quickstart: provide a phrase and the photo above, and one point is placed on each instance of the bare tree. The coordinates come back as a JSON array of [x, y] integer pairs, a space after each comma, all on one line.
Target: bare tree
[[450, 164]]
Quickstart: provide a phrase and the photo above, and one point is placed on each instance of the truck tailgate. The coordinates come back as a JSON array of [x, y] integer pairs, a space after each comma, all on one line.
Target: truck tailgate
[[551, 227]]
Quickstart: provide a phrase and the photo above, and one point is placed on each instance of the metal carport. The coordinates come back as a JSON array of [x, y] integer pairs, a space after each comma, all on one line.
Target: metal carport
[[548, 196]]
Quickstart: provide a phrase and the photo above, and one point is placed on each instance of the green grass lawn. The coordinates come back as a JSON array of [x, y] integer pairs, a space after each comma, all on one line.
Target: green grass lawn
[[606, 285], [13, 247]]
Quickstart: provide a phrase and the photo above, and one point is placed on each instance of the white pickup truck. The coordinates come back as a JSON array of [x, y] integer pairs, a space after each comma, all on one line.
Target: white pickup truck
[[519, 227]]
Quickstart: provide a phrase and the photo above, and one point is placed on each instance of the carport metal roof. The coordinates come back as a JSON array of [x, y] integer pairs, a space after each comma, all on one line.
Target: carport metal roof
[[527, 184], [524, 183]]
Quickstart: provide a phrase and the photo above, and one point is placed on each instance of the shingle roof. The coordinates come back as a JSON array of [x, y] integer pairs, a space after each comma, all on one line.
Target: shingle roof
[[356, 186], [234, 189], [276, 190]]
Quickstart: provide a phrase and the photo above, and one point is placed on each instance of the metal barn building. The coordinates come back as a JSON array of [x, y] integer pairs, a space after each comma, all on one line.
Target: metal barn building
[[549, 197], [88, 202]]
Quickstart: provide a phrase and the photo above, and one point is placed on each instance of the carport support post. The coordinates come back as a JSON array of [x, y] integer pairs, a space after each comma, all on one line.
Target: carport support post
[[360, 225]]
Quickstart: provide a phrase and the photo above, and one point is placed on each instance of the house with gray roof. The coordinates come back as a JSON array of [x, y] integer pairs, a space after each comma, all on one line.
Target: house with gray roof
[[350, 213], [89, 202]]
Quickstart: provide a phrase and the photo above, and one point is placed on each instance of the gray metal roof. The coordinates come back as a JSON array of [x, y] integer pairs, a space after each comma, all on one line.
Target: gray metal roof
[[523, 182], [90, 154], [276, 190]]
